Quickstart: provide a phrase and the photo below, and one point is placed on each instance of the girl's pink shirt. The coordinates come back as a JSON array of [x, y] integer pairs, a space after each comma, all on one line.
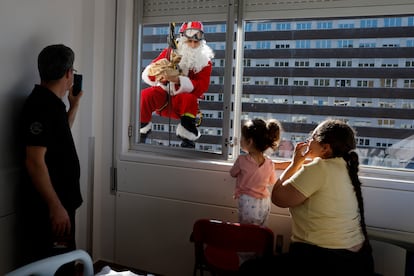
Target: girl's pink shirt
[[252, 179]]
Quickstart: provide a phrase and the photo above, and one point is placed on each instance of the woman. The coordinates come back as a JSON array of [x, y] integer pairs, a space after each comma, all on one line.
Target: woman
[[329, 234]]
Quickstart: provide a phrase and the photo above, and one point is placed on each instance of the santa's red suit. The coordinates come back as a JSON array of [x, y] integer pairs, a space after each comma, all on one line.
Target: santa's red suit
[[178, 101]]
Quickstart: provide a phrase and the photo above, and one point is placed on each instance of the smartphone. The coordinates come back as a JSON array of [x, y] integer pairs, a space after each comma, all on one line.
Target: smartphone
[[77, 84]]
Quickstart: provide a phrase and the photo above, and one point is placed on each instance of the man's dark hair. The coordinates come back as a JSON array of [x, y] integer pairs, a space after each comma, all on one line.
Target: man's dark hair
[[54, 61]]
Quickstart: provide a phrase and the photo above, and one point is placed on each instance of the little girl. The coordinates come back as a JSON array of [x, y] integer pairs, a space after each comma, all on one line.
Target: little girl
[[255, 171]]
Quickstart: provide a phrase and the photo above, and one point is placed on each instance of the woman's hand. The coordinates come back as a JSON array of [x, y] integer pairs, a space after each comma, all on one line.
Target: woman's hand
[[301, 152]]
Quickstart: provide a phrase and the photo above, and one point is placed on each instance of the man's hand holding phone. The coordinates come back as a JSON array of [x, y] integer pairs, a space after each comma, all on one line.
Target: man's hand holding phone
[[77, 84]]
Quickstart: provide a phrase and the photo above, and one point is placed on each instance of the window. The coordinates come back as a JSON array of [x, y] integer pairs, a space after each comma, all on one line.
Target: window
[[369, 23], [365, 83], [303, 26], [302, 63], [283, 26], [346, 25], [364, 103], [264, 27], [366, 63], [345, 44], [342, 83], [344, 63], [392, 22], [389, 63], [324, 25], [365, 44], [321, 82], [263, 45], [345, 100], [409, 83], [281, 63], [281, 81], [323, 43], [303, 44], [389, 83], [321, 63], [304, 77], [210, 116]]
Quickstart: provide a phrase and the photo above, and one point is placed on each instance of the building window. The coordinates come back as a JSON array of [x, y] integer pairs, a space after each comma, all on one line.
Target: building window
[[344, 63], [323, 44], [409, 83], [389, 83], [281, 63], [324, 25], [342, 83], [345, 44], [302, 63], [322, 64], [263, 45], [366, 63], [264, 27], [367, 45], [392, 22], [321, 82], [369, 23], [303, 44], [281, 81], [303, 26], [283, 26], [300, 83]]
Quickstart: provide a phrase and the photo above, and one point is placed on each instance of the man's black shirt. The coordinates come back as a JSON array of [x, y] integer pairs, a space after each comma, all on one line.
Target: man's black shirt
[[45, 124]]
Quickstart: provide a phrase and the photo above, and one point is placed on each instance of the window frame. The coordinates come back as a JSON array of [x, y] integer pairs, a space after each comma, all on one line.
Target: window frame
[[226, 145]]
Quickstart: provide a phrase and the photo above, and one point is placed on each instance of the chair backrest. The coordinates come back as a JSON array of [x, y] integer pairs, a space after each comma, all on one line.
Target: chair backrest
[[50, 265], [218, 244]]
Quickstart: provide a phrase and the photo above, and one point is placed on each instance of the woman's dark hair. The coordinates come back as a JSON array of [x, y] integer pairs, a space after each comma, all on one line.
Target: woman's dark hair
[[265, 134], [341, 137], [54, 61]]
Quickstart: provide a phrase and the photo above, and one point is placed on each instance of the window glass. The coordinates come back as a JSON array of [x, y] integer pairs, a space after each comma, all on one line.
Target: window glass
[[345, 68], [209, 119], [302, 72]]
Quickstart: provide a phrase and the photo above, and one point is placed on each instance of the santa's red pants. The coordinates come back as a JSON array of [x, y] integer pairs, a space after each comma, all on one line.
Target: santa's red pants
[[154, 98]]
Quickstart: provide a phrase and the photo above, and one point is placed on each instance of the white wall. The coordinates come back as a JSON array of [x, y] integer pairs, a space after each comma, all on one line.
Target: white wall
[[159, 199], [88, 27]]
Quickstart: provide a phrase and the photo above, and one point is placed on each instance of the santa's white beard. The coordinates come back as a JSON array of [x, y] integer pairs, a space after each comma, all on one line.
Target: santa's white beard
[[193, 59]]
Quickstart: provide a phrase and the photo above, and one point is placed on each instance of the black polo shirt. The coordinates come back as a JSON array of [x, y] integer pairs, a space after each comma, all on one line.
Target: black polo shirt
[[45, 124]]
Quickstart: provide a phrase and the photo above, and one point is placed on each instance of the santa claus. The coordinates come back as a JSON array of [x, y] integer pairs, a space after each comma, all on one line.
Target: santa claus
[[178, 79]]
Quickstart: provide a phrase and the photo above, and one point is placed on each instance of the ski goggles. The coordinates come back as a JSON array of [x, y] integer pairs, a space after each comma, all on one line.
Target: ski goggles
[[193, 34]]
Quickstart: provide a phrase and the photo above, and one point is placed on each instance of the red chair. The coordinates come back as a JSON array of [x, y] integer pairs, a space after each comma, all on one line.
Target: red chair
[[219, 244]]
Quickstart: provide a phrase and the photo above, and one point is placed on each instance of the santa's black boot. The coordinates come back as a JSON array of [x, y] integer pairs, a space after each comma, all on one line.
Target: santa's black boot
[[144, 130], [188, 132]]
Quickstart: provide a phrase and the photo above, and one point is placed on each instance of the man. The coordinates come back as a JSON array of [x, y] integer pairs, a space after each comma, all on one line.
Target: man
[[175, 93], [51, 159]]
